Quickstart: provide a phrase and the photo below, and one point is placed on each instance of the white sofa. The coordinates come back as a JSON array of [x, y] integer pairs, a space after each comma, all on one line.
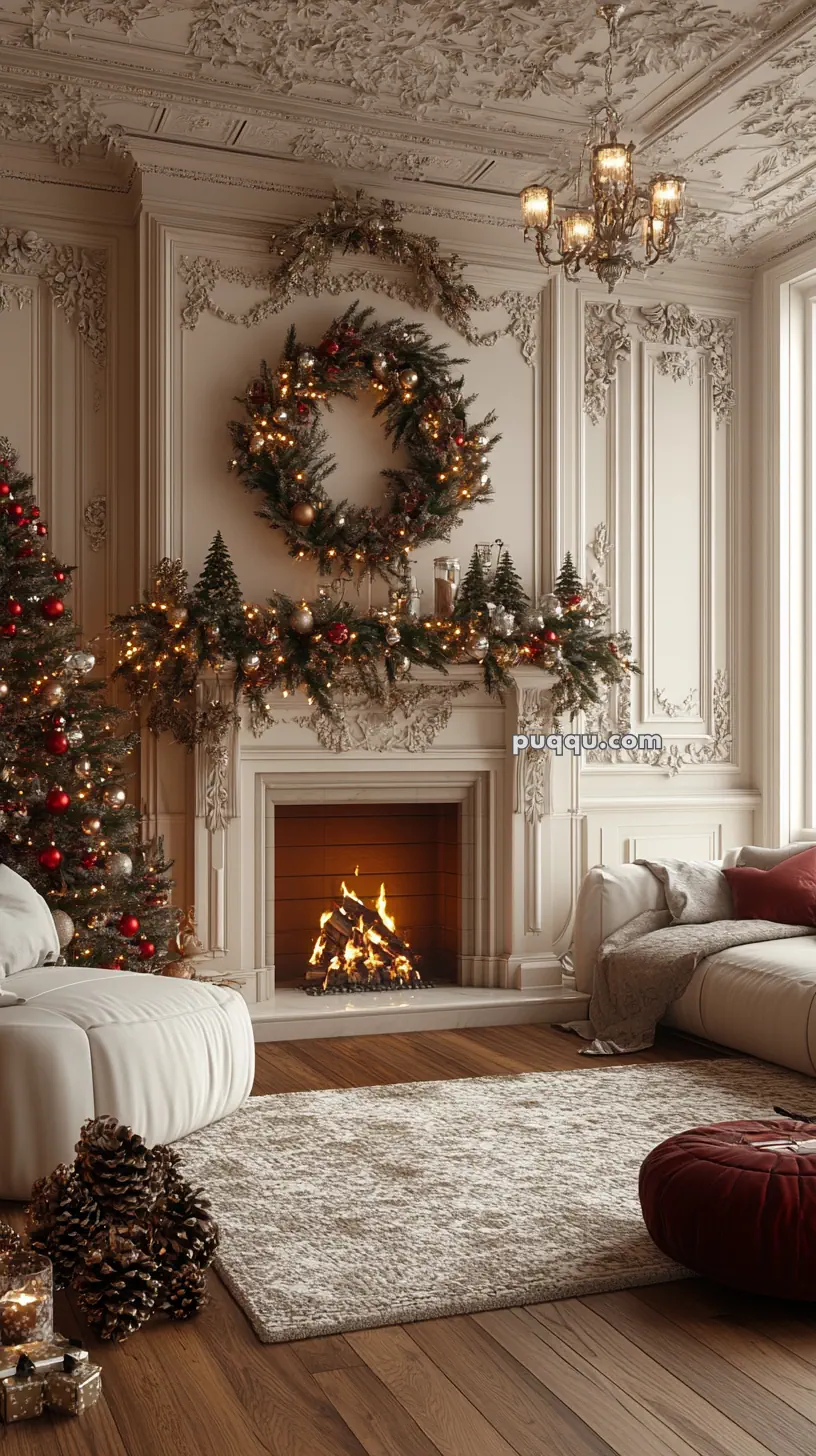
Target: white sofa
[[758, 999], [164, 1056]]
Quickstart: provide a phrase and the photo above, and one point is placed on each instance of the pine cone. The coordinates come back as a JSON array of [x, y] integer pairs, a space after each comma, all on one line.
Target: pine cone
[[184, 1230], [116, 1168], [10, 1241], [61, 1219], [164, 1166], [185, 1292], [116, 1282]]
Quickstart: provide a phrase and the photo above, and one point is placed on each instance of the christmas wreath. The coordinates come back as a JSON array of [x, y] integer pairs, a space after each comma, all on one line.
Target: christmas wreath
[[280, 450]]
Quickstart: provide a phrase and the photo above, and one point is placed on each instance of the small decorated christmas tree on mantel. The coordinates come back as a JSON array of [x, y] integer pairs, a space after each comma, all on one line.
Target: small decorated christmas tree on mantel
[[65, 824]]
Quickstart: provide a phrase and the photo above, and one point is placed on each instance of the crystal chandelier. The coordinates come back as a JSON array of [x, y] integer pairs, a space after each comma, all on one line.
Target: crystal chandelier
[[603, 234]]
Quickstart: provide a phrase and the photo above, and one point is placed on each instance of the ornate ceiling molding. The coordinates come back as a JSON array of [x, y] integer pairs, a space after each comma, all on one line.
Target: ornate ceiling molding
[[65, 118], [608, 339], [76, 279]]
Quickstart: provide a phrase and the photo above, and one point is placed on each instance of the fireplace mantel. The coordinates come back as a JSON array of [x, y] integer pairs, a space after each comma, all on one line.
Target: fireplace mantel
[[440, 739]]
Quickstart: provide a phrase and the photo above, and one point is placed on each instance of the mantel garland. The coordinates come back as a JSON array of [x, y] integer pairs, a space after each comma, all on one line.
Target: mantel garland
[[328, 649], [280, 451]]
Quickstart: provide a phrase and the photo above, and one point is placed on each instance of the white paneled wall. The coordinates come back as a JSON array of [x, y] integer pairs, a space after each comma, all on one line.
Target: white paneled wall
[[625, 442]]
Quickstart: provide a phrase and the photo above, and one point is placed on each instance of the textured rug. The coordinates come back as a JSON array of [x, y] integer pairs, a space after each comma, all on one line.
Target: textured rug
[[348, 1210]]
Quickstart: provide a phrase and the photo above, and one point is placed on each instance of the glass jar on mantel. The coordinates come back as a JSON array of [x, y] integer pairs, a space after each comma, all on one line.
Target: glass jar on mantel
[[26, 1298], [446, 582]]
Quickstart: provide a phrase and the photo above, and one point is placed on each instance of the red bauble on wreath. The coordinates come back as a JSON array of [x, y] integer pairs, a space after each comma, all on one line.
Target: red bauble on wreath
[[50, 858], [57, 800], [337, 633], [128, 926]]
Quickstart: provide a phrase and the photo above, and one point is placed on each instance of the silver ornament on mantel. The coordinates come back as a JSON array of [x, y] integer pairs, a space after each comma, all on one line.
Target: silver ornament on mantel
[[301, 620], [550, 605], [479, 648], [392, 636], [502, 622], [119, 865], [64, 926]]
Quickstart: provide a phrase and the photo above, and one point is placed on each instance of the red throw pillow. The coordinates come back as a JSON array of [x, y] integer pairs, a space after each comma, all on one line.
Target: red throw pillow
[[786, 893]]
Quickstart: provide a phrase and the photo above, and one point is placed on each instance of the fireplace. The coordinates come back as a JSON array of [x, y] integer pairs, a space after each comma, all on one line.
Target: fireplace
[[413, 850], [479, 851]]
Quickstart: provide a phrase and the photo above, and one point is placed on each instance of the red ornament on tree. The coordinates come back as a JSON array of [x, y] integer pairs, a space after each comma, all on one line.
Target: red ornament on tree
[[9, 629], [59, 576], [42, 530], [613, 648], [146, 949], [575, 601], [337, 633], [116, 965], [35, 513], [458, 439], [329, 347], [56, 741], [550, 636], [15, 510], [5, 489], [14, 608], [89, 860], [332, 371], [303, 408], [57, 801], [50, 858], [52, 607], [128, 926], [25, 551]]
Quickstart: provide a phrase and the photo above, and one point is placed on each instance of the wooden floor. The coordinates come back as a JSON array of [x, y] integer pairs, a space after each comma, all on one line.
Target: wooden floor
[[680, 1368]]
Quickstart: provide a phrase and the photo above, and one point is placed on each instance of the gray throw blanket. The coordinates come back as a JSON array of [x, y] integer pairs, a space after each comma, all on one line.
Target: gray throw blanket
[[647, 964]]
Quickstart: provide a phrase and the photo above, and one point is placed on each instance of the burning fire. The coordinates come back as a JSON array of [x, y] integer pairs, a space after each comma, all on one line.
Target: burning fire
[[359, 949]]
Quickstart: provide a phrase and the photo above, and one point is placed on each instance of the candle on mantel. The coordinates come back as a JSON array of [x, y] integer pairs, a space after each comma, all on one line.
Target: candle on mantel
[[26, 1298]]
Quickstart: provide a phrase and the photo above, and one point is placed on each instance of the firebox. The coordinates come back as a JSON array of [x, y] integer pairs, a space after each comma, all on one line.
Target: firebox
[[367, 896]]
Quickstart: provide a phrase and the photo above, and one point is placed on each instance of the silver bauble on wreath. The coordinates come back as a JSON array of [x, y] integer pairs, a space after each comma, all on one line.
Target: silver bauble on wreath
[[479, 648], [379, 366], [408, 378], [64, 926], [251, 662], [176, 617], [119, 865], [392, 636], [301, 620]]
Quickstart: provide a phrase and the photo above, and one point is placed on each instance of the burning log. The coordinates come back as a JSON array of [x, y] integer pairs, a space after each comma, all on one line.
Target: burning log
[[358, 949]]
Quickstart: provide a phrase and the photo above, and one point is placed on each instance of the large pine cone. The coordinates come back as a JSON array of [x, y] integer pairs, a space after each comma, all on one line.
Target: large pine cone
[[184, 1230], [117, 1169], [61, 1220], [185, 1292], [10, 1241], [116, 1282]]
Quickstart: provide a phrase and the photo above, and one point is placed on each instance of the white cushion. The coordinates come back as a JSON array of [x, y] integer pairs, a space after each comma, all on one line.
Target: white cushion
[[163, 1055], [609, 897], [759, 999], [27, 933], [757, 857]]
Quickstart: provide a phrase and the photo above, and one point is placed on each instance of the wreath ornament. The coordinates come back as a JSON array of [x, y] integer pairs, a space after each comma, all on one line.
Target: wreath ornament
[[279, 451]]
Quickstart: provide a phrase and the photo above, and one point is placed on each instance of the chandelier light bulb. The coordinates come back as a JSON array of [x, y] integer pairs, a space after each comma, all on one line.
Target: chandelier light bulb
[[667, 195], [537, 207], [577, 231]]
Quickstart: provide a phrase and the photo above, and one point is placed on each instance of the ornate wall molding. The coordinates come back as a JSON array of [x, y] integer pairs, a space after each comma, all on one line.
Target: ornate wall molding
[[202, 275], [95, 522], [608, 339], [700, 753], [76, 279], [9, 295], [409, 720], [216, 759]]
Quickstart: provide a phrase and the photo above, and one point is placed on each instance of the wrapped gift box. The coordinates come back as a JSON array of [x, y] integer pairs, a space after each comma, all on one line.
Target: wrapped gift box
[[74, 1388], [43, 1354], [22, 1397]]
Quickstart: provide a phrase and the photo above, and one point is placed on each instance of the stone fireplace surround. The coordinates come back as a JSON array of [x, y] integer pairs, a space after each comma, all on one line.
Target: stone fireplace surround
[[441, 739]]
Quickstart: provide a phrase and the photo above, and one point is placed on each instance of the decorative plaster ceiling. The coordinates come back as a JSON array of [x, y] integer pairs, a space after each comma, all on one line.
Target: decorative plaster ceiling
[[481, 95]]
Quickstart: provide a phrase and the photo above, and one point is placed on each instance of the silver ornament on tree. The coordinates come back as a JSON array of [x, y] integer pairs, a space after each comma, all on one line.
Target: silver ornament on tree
[[114, 798], [4, 690], [301, 620], [75, 737], [408, 378], [80, 662], [119, 865], [64, 926], [53, 694], [281, 415], [83, 768], [176, 617]]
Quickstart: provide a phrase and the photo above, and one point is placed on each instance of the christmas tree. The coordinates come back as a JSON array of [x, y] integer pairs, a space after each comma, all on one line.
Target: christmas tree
[[569, 587], [507, 590], [474, 591], [217, 592], [65, 825]]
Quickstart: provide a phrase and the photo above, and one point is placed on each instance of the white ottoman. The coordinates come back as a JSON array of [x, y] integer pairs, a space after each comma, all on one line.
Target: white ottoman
[[164, 1056]]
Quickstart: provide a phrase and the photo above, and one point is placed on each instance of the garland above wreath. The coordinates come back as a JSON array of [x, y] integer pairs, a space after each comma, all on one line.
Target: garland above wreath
[[280, 451]]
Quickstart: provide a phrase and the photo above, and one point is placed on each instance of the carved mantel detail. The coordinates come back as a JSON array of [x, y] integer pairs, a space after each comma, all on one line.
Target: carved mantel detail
[[608, 339], [409, 720], [216, 760], [533, 796]]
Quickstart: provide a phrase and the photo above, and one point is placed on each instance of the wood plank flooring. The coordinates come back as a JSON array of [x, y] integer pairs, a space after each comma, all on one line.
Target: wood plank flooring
[[680, 1369]]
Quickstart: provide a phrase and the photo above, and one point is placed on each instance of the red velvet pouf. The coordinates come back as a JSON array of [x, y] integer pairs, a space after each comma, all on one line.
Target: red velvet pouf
[[735, 1212]]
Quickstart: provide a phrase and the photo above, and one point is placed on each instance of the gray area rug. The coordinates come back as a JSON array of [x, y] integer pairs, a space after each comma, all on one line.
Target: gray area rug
[[348, 1210]]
